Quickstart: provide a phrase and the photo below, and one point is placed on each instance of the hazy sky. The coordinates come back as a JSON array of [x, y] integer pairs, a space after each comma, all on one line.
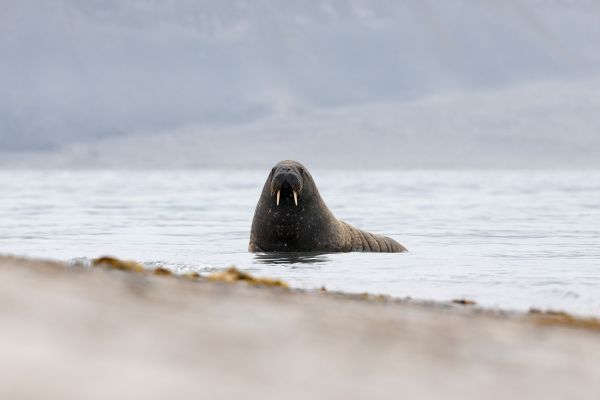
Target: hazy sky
[[89, 74]]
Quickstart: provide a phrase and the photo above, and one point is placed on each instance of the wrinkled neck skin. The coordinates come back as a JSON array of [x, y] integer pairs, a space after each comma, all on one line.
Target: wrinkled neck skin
[[309, 226]]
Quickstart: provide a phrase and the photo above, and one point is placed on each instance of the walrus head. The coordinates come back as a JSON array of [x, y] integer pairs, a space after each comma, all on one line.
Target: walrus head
[[287, 181]]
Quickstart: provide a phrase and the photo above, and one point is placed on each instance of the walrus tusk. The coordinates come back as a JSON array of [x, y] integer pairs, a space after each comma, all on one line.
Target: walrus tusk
[[296, 198], [278, 194]]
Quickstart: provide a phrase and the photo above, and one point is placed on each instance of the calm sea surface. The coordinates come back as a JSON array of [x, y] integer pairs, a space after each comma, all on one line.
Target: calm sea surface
[[505, 239]]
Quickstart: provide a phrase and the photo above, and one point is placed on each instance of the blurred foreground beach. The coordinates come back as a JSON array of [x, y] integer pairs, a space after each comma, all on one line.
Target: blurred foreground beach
[[69, 332]]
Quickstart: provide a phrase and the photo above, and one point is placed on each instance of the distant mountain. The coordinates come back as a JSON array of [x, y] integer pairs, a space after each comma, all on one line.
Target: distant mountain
[[538, 125], [78, 72]]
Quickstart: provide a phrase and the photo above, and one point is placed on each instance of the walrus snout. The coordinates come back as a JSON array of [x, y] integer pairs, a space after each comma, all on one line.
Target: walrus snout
[[286, 181]]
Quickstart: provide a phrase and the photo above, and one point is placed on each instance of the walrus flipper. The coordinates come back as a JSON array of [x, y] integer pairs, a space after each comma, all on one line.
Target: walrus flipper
[[360, 240]]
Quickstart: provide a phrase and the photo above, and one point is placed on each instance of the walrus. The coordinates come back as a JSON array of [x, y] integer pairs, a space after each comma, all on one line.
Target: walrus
[[291, 216]]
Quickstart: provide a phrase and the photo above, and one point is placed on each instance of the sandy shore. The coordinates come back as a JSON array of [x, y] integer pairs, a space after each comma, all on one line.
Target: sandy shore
[[77, 333]]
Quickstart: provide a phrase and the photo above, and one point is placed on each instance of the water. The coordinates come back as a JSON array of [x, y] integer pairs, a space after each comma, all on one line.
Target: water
[[505, 239]]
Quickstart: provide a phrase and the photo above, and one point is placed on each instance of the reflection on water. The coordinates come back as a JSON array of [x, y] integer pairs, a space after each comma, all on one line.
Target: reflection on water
[[502, 238], [291, 258]]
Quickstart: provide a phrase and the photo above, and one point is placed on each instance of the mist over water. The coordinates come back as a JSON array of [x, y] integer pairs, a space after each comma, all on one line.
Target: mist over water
[[391, 84]]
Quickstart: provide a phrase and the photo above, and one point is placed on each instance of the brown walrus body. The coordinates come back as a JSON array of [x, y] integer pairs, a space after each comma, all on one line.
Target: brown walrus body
[[292, 216]]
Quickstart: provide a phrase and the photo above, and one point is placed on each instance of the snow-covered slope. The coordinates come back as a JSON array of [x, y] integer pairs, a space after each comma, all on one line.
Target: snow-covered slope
[[546, 124], [82, 74]]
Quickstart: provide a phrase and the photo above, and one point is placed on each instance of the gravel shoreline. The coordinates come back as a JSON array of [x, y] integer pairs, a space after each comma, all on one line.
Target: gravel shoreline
[[94, 333]]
